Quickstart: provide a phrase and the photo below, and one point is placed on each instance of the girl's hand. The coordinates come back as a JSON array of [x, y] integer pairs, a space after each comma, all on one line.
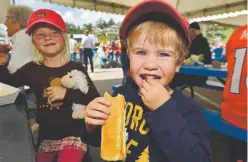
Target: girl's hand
[[56, 93], [153, 94], [96, 113]]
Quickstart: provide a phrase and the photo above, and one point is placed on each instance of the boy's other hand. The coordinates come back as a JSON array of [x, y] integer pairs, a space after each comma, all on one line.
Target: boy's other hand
[[56, 93], [96, 113], [153, 94]]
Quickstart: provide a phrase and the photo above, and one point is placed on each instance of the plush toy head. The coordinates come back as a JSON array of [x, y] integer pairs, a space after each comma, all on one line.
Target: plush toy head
[[75, 80]]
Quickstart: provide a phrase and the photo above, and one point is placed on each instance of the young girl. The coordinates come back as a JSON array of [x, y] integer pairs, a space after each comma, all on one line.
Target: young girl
[[59, 134]]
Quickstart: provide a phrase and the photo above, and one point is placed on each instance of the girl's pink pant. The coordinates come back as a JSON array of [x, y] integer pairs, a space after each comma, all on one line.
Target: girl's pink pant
[[67, 155]]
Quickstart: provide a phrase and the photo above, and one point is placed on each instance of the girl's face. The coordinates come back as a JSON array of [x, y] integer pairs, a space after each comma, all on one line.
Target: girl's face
[[48, 41]]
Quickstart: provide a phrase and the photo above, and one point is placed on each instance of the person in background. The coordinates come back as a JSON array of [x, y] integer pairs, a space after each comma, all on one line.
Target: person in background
[[73, 47], [116, 50], [59, 137], [199, 43], [219, 54], [125, 63], [101, 53], [88, 45], [198, 47], [234, 105], [110, 53], [16, 22]]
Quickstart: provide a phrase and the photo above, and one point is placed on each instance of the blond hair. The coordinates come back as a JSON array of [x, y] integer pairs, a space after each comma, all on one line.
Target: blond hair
[[161, 34], [20, 12], [67, 55]]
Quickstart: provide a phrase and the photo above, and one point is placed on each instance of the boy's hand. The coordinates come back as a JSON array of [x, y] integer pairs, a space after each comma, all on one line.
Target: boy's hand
[[56, 93], [153, 94], [96, 113]]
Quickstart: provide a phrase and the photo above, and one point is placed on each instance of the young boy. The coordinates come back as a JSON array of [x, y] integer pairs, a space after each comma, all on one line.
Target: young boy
[[162, 124]]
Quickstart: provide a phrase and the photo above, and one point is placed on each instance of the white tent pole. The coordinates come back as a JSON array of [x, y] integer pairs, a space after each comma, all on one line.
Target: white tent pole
[[178, 2]]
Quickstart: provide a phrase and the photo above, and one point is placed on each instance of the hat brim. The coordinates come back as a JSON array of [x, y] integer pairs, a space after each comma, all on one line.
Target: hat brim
[[149, 7], [28, 30]]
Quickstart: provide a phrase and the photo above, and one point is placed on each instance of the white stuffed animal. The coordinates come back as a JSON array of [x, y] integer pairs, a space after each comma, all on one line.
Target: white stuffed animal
[[76, 80]]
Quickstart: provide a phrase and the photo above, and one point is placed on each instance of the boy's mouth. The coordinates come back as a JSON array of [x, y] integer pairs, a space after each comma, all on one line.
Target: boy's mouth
[[149, 76]]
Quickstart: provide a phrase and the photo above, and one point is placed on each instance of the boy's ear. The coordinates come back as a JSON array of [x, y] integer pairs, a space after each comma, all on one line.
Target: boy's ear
[[178, 65], [127, 53]]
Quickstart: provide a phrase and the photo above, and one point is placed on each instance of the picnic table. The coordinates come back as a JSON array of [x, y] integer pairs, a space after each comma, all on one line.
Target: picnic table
[[16, 143], [203, 71]]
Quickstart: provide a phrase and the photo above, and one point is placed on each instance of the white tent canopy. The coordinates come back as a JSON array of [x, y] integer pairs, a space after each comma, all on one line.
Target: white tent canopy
[[231, 21], [189, 8], [3, 5]]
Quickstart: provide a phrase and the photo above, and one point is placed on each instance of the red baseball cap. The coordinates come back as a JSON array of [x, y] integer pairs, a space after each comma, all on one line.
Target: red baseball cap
[[158, 10], [45, 16]]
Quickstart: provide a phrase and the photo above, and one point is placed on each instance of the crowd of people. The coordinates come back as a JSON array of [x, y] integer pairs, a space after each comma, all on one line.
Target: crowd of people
[[110, 55], [111, 51], [154, 42]]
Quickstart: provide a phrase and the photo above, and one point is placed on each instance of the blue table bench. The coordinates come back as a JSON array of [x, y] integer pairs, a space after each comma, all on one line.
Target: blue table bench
[[215, 122], [114, 87]]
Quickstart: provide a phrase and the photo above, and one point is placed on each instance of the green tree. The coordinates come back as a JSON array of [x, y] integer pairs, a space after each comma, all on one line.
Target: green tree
[[111, 22], [100, 23], [88, 27], [73, 29], [215, 31]]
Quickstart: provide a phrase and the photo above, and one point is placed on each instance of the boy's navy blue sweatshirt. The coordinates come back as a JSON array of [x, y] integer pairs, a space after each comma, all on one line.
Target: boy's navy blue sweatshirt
[[174, 132]]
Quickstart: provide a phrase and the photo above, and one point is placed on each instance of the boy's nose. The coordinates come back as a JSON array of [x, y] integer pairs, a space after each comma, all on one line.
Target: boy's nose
[[150, 64]]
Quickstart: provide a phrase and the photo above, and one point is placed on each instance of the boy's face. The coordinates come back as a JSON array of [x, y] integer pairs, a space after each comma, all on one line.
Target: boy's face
[[151, 61], [48, 41]]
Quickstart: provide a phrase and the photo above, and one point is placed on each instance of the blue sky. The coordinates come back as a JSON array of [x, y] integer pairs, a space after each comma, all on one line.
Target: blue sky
[[69, 14]]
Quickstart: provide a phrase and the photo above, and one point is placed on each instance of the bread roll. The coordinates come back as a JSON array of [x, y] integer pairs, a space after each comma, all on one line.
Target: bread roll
[[113, 144]]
